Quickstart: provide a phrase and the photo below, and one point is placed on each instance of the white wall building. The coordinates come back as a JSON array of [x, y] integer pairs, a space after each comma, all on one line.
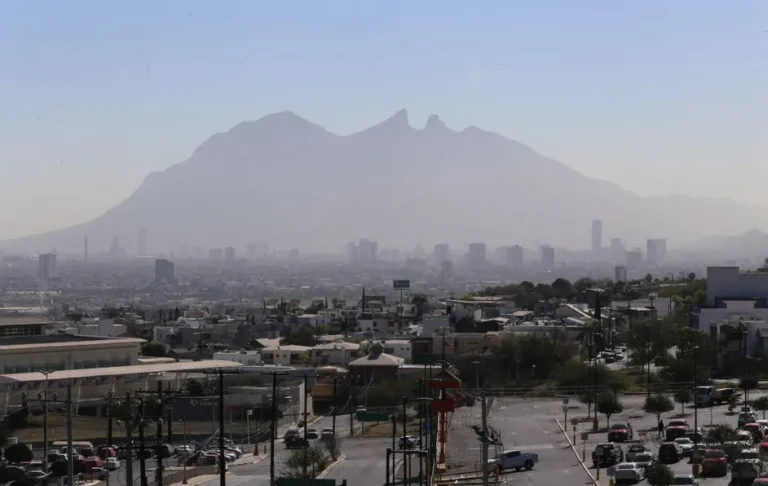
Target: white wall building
[[398, 347], [247, 358], [336, 353], [729, 283]]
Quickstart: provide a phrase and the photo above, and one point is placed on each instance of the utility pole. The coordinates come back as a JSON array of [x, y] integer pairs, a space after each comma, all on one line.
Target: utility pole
[[70, 454], [306, 442], [109, 419], [170, 418], [159, 436], [274, 432], [142, 449], [333, 417], [405, 433], [129, 439], [485, 440], [222, 458], [45, 422]]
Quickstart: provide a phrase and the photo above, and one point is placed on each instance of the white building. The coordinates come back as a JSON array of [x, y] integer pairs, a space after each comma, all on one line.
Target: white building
[[398, 347], [311, 320], [244, 357], [286, 355], [98, 327]]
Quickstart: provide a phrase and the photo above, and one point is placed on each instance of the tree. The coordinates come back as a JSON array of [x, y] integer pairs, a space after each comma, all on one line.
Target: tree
[[658, 474], [720, 434], [313, 459], [303, 337], [153, 349], [683, 396], [748, 383], [761, 404], [658, 404], [18, 453], [609, 404], [562, 289], [587, 398]]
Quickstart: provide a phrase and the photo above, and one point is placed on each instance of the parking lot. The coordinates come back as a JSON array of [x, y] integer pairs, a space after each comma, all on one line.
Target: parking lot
[[645, 429], [530, 425]]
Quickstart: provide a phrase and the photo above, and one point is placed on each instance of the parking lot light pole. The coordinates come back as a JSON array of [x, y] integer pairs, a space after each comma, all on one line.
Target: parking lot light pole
[[695, 467]]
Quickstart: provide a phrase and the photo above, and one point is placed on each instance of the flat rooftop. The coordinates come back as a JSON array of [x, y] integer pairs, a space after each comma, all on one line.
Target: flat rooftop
[[51, 341], [117, 371]]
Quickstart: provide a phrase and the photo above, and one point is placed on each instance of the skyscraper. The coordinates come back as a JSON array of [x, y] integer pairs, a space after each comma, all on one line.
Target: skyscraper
[[476, 254], [514, 257], [229, 254], [651, 256], [47, 266], [597, 236], [548, 257], [165, 270], [617, 250], [441, 253]]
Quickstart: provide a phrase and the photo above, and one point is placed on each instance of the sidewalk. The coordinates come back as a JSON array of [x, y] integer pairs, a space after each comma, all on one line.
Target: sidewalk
[[198, 480]]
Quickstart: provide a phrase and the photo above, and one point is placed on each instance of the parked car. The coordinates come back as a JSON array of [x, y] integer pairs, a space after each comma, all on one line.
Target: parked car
[[675, 429], [607, 454], [112, 463], [326, 434], [620, 432], [756, 430], [744, 470], [312, 434], [635, 450], [37, 477], [628, 471], [685, 444], [644, 460], [746, 418], [516, 460], [685, 479], [715, 463], [670, 453], [97, 473]]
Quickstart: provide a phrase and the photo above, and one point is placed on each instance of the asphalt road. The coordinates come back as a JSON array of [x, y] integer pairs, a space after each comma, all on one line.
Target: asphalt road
[[365, 462]]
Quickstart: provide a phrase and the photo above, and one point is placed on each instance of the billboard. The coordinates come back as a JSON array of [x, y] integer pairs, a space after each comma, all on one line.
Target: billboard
[[401, 284]]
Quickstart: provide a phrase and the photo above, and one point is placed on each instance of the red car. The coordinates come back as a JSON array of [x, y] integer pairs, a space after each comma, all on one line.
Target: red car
[[715, 463], [676, 429]]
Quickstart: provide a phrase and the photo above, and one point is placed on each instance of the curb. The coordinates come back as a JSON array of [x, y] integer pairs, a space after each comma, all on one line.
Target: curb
[[576, 453], [332, 465]]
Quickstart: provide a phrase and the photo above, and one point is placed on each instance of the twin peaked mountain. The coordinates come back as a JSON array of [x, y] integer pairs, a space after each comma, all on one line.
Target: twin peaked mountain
[[284, 180]]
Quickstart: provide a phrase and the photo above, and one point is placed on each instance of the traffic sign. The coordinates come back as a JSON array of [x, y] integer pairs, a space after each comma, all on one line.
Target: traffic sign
[[585, 436]]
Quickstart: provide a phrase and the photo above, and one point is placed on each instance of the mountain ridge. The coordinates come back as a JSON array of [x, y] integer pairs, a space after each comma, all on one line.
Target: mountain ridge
[[286, 180]]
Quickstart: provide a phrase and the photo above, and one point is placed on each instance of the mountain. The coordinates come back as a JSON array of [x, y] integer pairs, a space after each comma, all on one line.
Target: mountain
[[284, 180]]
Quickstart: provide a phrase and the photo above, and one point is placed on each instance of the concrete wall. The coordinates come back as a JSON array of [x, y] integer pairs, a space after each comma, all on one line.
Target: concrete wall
[[729, 282]]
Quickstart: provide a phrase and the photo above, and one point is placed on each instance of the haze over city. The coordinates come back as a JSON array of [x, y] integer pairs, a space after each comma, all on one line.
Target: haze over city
[[658, 98]]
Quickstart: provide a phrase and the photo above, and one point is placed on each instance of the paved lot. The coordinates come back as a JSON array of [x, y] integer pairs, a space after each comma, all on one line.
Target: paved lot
[[364, 464], [645, 427], [522, 424]]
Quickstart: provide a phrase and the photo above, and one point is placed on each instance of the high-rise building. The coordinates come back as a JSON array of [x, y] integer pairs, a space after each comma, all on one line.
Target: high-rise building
[[597, 236], [47, 266], [441, 253], [367, 251], [142, 243], [514, 257], [229, 254], [216, 254], [651, 256], [476, 254], [661, 250], [165, 270], [634, 258], [620, 273], [617, 250], [548, 257]]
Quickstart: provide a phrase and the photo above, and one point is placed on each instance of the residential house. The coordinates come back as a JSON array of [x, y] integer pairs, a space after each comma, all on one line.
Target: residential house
[[377, 366], [398, 347], [335, 353], [311, 320], [244, 357], [286, 355]]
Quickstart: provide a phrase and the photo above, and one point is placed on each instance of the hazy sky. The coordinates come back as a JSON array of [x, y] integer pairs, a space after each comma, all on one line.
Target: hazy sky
[[659, 97]]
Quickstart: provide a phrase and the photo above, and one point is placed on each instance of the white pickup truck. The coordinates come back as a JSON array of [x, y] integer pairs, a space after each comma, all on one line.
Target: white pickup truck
[[514, 460]]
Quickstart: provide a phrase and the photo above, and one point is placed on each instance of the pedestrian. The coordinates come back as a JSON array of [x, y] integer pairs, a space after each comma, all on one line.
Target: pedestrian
[[661, 427]]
